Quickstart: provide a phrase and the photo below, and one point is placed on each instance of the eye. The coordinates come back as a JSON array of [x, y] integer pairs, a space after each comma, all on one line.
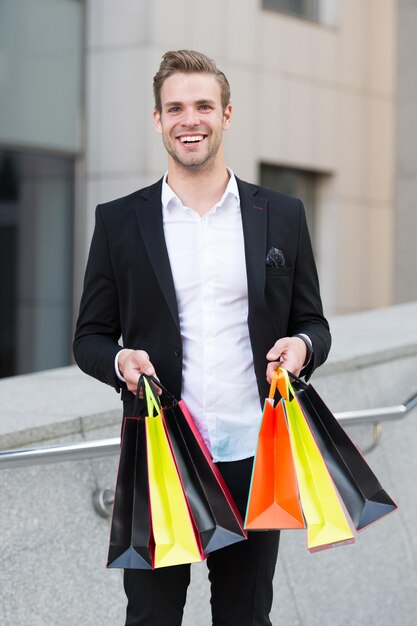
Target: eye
[[205, 107], [173, 109]]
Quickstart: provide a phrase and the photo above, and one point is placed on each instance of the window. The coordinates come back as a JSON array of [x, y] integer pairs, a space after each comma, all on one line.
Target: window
[[322, 11], [36, 240], [41, 52], [41, 82], [298, 183]]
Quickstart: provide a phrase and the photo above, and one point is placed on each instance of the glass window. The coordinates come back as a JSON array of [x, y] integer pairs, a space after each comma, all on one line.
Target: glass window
[[36, 242], [323, 11], [298, 183], [41, 60]]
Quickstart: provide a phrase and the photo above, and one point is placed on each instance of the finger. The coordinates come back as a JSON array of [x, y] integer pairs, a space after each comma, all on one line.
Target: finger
[[294, 369], [151, 372], [279, 347], [132, 385], [143, 363], [273, 355], [131, 363], [134, 369], [157, 389], [271, 369], [131, 377], [292, 365]]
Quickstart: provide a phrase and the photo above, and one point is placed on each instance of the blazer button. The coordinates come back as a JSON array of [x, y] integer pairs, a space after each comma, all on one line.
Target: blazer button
[[177, 352]]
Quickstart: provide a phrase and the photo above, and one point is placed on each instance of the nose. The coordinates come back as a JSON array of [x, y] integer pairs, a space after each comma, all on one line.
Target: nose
[[190, 117]]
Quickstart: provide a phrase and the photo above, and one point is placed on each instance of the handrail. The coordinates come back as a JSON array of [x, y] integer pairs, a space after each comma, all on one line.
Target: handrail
[[108, 447], [376, 416], [60, 452]]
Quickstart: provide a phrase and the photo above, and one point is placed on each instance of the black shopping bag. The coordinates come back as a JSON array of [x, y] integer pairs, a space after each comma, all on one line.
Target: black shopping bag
[[131, 534], [364, 497], [152, 524], [216, 517]]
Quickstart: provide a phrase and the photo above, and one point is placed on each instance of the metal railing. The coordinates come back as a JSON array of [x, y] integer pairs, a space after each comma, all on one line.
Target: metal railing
[[103, 498], [108, 447], [59, 452]]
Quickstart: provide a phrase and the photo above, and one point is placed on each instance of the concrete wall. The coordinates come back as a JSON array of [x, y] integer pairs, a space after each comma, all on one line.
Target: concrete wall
[[53, 545], [305, 95]]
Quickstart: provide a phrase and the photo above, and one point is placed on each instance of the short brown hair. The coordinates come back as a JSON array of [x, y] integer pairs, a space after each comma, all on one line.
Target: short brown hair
[[187, 62]]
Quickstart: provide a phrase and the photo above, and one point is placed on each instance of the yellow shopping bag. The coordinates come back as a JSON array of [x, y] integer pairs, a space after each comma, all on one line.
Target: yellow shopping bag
[[327, 524], [173, 531]]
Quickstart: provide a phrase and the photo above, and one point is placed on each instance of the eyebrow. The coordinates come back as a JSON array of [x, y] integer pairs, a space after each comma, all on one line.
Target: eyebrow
[[177, 103]]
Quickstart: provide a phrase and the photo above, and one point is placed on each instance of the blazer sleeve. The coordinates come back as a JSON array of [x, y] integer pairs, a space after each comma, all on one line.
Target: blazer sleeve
[[98, 329], [306, 307]]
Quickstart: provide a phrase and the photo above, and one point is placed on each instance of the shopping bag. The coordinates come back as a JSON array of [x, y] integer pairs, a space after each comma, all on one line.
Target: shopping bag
[[172, 525], [151, 525], [206, 452], [274, 500], [131, 541], [365, 499], [216, 518], [327, 524]]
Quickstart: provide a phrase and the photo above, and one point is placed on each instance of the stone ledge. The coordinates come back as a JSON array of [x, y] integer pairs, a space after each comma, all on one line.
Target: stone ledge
[[376, 332], [58, 429], [370, 338], [54, 403], [337, 365]]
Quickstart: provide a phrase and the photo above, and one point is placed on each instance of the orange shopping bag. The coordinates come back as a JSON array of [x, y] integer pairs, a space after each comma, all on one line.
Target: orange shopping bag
[[273, 497]]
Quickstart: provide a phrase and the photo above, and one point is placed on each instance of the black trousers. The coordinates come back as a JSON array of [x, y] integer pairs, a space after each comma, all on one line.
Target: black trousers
[[240, 575]]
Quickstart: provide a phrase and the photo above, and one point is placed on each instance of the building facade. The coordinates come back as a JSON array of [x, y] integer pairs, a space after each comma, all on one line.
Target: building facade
[[313, 89]]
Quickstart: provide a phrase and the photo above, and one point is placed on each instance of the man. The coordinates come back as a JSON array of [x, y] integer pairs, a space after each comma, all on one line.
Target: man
[[211, 284]]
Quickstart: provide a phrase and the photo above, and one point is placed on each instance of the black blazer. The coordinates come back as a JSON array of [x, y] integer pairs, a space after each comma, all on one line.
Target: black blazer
[[129, 290]]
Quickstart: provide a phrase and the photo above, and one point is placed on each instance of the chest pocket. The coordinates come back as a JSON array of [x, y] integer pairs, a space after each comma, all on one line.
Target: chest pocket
[[278, 271]]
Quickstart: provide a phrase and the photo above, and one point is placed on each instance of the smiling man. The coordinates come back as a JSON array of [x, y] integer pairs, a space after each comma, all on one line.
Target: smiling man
[[211, 283], [192, 127]]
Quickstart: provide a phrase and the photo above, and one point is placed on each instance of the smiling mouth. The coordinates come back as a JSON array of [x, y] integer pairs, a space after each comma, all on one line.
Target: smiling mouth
[[191, 139]]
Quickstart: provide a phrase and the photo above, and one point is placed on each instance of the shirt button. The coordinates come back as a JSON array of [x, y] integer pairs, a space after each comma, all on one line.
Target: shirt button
[[177, 352]]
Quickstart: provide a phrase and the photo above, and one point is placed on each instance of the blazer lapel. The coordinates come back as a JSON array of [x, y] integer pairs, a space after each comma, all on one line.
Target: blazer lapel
[[149, 217], [254, 221]]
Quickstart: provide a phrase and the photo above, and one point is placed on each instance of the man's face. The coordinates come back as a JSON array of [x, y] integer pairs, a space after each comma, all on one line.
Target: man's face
[[192, 119]]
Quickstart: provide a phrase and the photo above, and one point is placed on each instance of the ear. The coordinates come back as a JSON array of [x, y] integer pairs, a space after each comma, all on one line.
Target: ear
[[227, 117], [157, 121]]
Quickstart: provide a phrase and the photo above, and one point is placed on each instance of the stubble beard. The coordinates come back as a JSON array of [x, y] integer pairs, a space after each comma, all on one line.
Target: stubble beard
[[203, 165]]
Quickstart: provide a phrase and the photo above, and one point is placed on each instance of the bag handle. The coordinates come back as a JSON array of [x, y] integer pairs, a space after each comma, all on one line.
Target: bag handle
[[281, 379], [147, 385], [166, 393], [150, 397], [152, 401]]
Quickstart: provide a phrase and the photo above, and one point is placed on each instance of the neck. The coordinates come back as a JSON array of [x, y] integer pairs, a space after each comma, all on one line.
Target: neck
[[200, 189]]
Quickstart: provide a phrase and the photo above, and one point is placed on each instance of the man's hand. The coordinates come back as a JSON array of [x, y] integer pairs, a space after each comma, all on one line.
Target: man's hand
[[288, 352], [133, 363]]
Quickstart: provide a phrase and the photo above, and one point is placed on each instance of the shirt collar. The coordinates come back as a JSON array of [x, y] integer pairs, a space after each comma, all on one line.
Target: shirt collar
[[169, 198]]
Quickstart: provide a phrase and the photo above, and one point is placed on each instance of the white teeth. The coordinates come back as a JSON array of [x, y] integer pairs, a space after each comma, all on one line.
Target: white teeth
[[191, 138]]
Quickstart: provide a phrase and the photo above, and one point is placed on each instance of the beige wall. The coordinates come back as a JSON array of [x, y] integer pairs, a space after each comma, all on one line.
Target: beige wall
[[304, 95], [405, 264]]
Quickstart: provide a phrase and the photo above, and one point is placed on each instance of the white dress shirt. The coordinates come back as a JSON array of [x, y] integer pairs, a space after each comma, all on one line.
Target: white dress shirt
[[209, 270]]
